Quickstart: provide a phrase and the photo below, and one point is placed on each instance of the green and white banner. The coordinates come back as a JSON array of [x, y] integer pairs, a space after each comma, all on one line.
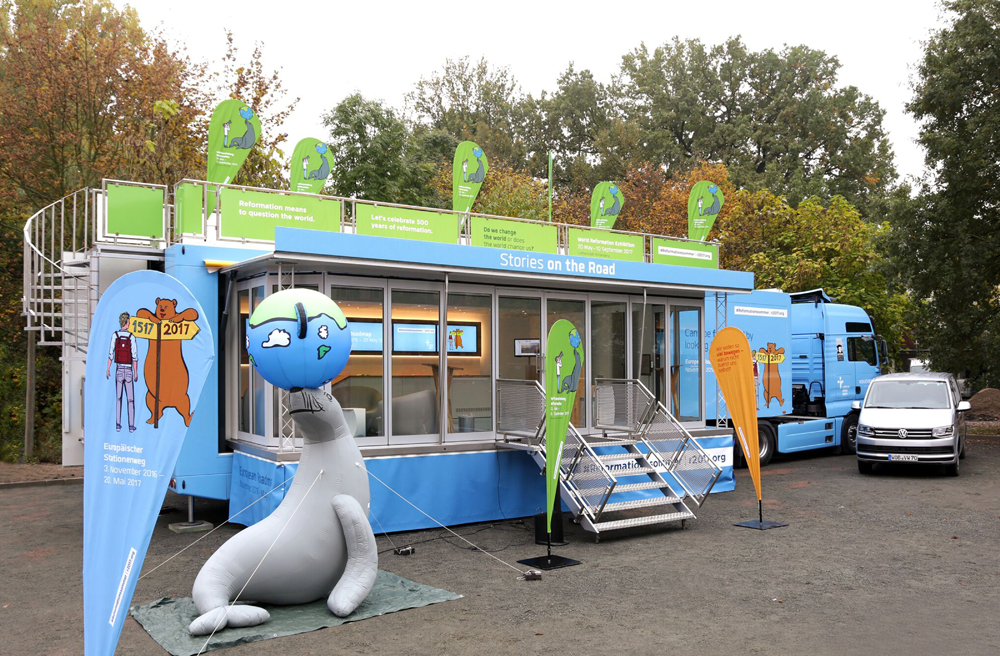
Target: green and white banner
[[605, 205], [609, 245], [232, 132], [704, 205], [311, 165], [406, 224], [563, 369], [514, 235], [468, 172], [685, 253], [255, 214]]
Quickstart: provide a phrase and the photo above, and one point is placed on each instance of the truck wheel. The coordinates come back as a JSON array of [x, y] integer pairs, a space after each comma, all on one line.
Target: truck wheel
[[738, 460], [849, 435], [766, 440], [864, 467]]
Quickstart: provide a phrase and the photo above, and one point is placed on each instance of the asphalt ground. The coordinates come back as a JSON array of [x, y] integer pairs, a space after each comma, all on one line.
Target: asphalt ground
[[906, 561]]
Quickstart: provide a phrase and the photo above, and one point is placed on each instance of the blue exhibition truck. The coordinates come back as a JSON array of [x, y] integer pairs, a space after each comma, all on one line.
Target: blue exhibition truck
[[812, 359]]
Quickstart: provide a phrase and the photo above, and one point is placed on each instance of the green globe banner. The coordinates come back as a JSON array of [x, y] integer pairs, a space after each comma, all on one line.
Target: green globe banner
[[605, 205], [563, 369], [468, 172], [704, 205], [232, 132], [312, 163]]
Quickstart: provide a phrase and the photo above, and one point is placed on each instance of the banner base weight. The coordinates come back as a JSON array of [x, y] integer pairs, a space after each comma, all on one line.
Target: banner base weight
[[760, 525], [549, 562], [190, 527]]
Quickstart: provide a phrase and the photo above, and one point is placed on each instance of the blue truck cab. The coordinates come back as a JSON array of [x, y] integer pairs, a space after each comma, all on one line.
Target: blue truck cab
[[812, 359]]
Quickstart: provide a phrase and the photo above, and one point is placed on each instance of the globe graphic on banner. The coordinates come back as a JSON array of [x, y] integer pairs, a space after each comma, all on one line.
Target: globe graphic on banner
[[298, 338]]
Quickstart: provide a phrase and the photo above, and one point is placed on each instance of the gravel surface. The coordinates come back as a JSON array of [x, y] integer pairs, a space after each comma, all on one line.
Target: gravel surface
[[901, 562], [41, 471]]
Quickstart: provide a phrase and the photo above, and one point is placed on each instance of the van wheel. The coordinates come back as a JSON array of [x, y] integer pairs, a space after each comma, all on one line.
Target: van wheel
[[849, 435], [952, 469], [864, 467], [961, 454], [766, 441]]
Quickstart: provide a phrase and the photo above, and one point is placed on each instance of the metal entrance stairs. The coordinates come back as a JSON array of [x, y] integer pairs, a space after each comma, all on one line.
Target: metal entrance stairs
[[643, 468]]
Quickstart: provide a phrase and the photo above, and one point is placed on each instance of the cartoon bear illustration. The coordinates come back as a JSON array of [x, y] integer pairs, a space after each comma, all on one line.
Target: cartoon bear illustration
[[173, 372], [771, 357]]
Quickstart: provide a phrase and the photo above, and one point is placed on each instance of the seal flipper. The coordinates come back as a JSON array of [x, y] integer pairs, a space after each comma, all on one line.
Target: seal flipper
[[223, 616], [362, 557]]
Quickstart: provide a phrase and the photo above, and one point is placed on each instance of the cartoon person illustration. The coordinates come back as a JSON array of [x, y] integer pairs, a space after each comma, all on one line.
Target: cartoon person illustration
[[123, 355]]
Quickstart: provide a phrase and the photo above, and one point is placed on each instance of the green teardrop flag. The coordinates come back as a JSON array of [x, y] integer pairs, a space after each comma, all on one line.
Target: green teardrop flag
[[232, 132], [468, 172], [312, 163], [704, 204], [605, 205], [563, 368]]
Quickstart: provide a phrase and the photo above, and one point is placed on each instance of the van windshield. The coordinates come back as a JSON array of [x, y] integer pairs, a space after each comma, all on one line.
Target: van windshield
[[916, 394]]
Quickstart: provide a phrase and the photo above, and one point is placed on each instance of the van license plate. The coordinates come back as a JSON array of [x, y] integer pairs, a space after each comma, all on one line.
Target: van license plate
[[903, 458]]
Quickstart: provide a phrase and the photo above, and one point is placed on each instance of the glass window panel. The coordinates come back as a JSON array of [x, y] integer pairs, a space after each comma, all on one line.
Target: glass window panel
[[685, 363], [649, 348], [243, 299], [415, 362], [519, 331], [359, 387], [256, 296], [607, 328], [470, 363]]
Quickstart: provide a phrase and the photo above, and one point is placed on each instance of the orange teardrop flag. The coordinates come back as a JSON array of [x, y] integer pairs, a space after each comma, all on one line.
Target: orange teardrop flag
[[733, 366]]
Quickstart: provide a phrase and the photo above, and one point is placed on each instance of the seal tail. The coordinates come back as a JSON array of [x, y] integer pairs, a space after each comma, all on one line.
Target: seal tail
[[362, 557]]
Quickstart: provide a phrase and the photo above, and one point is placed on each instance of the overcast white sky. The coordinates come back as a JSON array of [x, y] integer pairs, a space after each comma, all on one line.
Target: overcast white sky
[[380, 48]]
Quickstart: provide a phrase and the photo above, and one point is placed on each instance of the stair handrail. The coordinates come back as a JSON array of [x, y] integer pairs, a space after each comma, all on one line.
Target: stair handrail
[[35, 259], [686, 442]]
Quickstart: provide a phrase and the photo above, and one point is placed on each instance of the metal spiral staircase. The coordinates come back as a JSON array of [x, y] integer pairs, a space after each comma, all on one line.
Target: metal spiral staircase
[[643, 469]]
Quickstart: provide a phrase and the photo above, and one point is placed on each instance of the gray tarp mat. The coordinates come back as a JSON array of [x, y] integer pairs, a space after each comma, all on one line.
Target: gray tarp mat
[[167, 620]]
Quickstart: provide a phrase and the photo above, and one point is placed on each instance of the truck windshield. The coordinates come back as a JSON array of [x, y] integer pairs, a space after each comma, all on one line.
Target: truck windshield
[[915, 394]]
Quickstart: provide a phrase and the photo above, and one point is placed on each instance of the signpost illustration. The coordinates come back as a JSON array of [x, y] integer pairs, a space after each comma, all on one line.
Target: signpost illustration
[[468, 172], [704, 204], [605, 205], [155, 325], [732, 362], [563, 368], [312, 163]]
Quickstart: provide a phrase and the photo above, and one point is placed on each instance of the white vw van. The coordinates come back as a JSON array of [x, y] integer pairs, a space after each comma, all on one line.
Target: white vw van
[[913, 418]]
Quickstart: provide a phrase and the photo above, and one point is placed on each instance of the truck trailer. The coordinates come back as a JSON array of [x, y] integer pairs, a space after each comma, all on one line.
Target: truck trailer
[[812, 359]]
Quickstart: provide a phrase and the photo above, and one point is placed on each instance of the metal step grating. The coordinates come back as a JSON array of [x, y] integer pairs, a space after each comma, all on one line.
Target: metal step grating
[[648, 520], [639, 503], [637, 487]]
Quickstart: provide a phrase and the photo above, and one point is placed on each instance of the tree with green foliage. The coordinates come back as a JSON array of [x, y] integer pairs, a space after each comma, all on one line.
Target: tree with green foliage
[[815, 245], [945, 247], [473, 101], [376, 155], [266, 164], [777, 120], [85, 93]]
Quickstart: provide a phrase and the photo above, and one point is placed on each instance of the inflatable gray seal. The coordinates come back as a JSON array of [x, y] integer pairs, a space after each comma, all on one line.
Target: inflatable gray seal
[[327, 549]]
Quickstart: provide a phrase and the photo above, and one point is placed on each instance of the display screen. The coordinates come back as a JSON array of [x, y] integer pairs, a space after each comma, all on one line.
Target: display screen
[[366, 336], [417, 338], [414, 338]]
